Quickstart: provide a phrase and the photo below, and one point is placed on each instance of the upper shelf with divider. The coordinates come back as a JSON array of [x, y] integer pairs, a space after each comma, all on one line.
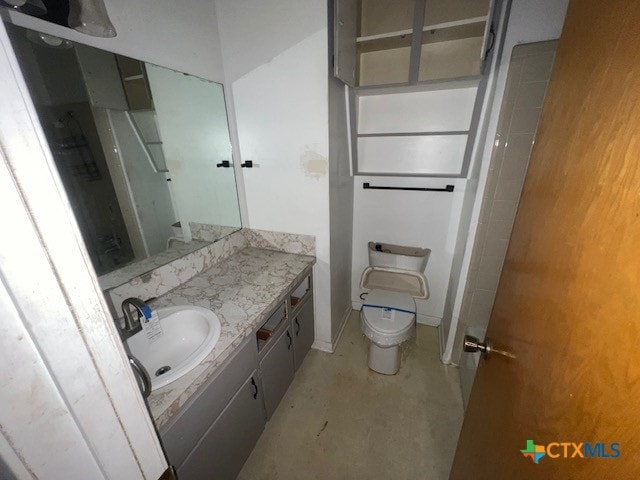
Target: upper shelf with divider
[[404, 42]]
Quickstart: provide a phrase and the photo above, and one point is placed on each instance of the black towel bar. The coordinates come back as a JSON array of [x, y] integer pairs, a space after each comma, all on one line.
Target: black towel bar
[[448, 188]]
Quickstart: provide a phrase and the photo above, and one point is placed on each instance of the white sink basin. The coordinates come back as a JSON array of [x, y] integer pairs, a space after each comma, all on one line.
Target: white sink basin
[[189, 334]]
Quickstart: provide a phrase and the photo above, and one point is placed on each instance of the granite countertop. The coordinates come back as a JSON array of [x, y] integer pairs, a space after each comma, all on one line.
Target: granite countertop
[[241, 290]]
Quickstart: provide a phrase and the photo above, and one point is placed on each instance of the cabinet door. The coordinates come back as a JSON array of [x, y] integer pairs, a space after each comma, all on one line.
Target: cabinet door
[[304, 332], [344, 41], [227, 444], [276, 371], [185, 429]]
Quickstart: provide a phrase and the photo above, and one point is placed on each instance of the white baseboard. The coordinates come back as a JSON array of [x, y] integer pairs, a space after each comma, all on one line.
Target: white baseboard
[[428, 320], [441, 343], [331, 347], [343, 323], [322, 346]]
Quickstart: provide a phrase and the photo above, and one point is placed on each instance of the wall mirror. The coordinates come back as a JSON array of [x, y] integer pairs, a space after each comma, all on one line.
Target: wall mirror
[[143, 152]]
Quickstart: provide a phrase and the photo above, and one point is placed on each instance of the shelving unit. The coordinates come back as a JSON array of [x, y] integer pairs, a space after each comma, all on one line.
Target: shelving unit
[[403, 42], [404, 58], [413, 131], [384, 38], [135, 84]]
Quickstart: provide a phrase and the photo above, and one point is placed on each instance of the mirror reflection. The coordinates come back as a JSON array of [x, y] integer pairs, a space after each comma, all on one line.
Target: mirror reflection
[[143, 152]]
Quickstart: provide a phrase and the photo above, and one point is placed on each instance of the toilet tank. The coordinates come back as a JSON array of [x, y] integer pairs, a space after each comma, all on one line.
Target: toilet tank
[[397, 256]]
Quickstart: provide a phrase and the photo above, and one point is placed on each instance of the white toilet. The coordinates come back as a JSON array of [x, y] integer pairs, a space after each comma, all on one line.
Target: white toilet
[[393, 279]]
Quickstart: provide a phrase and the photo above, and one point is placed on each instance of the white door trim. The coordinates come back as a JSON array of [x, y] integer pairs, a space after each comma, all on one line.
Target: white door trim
[[51, 298]]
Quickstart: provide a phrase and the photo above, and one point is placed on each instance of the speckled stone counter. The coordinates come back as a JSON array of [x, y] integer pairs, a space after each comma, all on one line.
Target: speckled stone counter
[[241, 290]]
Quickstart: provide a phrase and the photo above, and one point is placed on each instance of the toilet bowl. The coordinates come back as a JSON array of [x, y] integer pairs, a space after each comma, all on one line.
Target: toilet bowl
[[393, 281], [388, 319]]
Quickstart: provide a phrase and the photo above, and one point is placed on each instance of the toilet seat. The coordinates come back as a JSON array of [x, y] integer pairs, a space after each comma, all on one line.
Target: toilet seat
[[388, 318]]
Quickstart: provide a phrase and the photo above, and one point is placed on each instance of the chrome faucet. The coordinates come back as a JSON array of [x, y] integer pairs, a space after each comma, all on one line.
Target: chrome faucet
[[132, 323]]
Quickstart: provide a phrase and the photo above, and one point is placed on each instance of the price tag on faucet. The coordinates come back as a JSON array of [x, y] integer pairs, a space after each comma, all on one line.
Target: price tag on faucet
[[151, 325]]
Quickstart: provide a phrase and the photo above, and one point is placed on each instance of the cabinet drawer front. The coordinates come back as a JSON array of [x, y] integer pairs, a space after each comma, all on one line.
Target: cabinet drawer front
[[227, 444], [272, 329], [183, 432], [300, 295], [275, 318], [276, 371], [304, 331]]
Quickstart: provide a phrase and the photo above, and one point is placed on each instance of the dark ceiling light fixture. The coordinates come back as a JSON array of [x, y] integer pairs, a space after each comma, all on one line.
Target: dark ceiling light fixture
[[86, 16], [49, 41], [35, 8], [91, 17]]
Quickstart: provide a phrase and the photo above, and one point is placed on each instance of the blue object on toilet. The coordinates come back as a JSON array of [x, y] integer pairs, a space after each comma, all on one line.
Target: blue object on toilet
[[390, 307]]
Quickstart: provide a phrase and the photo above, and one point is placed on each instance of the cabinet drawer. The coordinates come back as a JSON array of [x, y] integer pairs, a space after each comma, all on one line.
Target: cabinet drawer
[[299, 295], [227, 444], [181, 434], [271, 328]]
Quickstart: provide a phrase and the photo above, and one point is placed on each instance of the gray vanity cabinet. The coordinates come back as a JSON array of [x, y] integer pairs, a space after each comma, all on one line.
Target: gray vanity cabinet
[[303, 328], [212, 435], [277, 370], [229, 441], [186, 430]]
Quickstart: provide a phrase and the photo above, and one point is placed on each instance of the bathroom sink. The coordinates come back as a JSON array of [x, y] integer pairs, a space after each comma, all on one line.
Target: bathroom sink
[[189, 334]]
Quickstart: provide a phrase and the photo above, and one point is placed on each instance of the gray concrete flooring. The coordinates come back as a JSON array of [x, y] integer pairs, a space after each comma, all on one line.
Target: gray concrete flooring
[[340, 420]]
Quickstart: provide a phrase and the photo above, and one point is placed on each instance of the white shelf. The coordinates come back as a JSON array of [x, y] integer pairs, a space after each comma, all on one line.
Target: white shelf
[[426, 28], [428, 111]]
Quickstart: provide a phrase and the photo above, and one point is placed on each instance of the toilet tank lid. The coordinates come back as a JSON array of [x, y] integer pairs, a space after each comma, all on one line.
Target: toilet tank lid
[[395, 280]]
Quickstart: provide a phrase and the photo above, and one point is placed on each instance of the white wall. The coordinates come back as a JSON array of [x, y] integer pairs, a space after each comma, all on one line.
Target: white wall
[[419, 219], [275, 58], [182, 36], [528, 22]]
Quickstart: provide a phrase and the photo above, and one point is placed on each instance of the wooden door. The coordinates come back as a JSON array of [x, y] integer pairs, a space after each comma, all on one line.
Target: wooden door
[[568, 303]]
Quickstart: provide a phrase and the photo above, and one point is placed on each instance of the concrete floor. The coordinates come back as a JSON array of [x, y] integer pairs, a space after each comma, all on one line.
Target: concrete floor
[[340, 420]]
